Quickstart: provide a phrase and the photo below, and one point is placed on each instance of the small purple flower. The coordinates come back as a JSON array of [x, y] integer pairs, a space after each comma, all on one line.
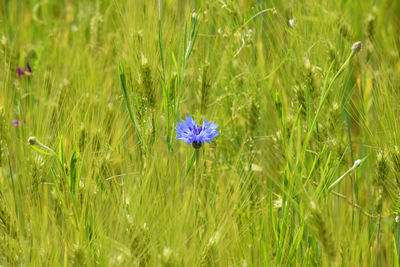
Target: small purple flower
[[28, 67], [20, 72], [15, 123], [28, 72], [189, 132]]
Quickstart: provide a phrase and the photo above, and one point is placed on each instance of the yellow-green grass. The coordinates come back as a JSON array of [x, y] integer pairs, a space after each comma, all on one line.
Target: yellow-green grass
[[305, 171]]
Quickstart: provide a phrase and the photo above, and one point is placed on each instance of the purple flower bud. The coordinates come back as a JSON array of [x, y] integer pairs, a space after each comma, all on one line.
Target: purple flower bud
[[15, 123], [20, 72], [356, 47], [28, 67]]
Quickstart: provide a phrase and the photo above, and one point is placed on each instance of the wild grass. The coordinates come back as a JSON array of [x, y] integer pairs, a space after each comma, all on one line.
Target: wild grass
[[305, 171]]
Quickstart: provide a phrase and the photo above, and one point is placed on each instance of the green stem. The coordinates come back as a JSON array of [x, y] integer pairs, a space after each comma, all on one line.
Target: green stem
[[379, 230], [132, 114], [325, 91], [398, 242], [196, 180], [160, 39]]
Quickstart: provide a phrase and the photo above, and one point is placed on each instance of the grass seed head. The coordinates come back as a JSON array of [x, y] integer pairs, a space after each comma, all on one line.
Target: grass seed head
[[96, 28], [323, 232], [205, 89]]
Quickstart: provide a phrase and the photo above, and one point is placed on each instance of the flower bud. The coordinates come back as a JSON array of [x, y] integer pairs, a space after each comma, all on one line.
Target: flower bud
[[356, 47], [32, 140]]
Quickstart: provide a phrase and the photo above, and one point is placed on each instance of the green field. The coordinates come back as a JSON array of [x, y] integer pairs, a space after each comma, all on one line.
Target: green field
[[305, 170]]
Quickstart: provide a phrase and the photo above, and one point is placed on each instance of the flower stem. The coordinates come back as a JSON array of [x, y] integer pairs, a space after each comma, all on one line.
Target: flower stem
[[398, 242], [196, 173], [379, 229]]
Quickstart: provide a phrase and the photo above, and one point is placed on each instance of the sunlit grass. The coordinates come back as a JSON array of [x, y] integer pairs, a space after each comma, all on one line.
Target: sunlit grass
[[304, 172]]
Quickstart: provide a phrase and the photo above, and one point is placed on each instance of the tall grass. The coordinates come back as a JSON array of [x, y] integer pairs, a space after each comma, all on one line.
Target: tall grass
[[305, 171]]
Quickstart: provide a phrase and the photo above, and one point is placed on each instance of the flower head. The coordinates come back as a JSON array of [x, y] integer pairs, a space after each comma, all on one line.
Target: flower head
[[189, 132], [22, 72], [15, 123]]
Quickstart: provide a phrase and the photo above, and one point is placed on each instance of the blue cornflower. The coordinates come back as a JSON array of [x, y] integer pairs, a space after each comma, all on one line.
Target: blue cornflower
[[189, 132]]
